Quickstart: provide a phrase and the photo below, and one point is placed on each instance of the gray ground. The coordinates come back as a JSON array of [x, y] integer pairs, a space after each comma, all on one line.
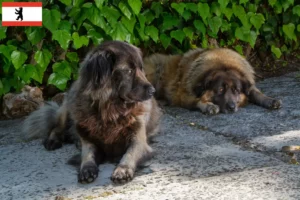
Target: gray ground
[[233, 156]]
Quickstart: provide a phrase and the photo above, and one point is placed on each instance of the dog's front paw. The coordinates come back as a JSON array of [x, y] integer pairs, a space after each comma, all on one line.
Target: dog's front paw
[[212, 109], [122, 174], [275, 104], [51, 145], [88, 173]]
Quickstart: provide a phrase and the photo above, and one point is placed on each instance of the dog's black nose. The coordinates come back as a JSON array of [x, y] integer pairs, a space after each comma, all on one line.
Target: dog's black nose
[[231, 106], [151, 91]]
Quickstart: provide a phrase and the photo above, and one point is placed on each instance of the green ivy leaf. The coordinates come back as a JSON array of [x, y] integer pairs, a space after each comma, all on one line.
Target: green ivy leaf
[[129, 24], [179, 7], [99, 3], [120, 33], [192, 7], [239, 11], [135, 5], [178, 35], [272, 2], [203, 10], [26, 72], [228, 13], [96, 37], [286, 4], [189, 32], [79, 41], [243, 1], [43, 58], [298, 27], [58, 80], [169, 22], [2, 32], [35, 34], [63, 37], [215, 8], [223, 3], [289, 31], [257, 20], [152, 32], [239, 49], [62, 68], [66, 2], [276, 51], [39, 75], [7, 50], [157, 8], [215, 24], [18, 58], [165, 40], [51, 19], [111, 14], [246, 35], [186, 15], [72, 57], [278, 7], [65, 25], [200, 26], [225, 26], [125, 10], [95, 17], [296, 10]]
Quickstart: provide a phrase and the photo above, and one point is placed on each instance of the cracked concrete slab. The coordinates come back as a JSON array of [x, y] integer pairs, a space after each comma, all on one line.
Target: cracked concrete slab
[[197, 157]]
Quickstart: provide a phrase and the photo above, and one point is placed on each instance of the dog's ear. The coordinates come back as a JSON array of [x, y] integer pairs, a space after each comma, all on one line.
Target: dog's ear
[[203, 85], [246, 85], [198, 89], [97, 68]]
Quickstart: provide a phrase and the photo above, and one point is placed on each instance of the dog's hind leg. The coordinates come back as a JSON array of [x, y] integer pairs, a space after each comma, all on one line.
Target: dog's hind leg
[[258, 98], [138, 151]]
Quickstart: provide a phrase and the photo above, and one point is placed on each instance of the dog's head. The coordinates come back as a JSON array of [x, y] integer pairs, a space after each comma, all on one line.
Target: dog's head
[[115, 70], [226, 88]]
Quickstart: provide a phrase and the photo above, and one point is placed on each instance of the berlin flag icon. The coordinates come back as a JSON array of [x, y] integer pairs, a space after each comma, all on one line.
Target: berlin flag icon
[[21, 13]]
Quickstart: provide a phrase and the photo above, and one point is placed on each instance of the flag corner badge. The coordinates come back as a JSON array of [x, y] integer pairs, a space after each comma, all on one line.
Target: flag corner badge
[[22, 14]]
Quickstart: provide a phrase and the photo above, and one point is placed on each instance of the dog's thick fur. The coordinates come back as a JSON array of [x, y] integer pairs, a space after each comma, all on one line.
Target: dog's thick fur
[[212, 80], [111, 109]]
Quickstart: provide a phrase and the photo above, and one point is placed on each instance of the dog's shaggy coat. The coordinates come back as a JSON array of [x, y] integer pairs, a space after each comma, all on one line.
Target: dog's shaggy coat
[[110, 108], [211, 80]]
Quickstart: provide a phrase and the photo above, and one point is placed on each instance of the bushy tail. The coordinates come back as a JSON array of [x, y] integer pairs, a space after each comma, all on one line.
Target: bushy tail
[[40, 122]]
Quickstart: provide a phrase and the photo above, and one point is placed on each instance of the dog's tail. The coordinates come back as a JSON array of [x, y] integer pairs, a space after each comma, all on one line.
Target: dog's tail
[[41, 122]]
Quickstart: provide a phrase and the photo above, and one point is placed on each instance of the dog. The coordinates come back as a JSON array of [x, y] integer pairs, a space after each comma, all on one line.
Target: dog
[[110, 108], [210, 80]]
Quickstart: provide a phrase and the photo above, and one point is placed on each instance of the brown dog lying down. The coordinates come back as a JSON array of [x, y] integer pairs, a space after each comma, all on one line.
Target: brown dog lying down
[[212, 80], [110, 108]]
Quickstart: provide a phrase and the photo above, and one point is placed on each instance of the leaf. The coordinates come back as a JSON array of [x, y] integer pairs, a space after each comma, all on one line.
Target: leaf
[[129, 24], [7, 50], [72, 56], [286, 4], [288, 30], [125, 10], [192, 7], [96, 37], [239, 49], [18, 58], [51, 19], [99, 3], [2, 32], [58, 80], [239, 11], [79, 41], [228, 13], [63, 37], [272, 2], [186, 15], [35, 34], [200, 26], [246, 35], [62, 68], [215, 24], [179, 7], [157, 8], [243, 1], [257, 20], [165, 40], [276, 51], [135, 5], [296, 10], [169, 22], [298, 27], [203, 10], [111, 14], [189, 32], [66, 2], [178, 35], [215, 8], [43, 58], [26, 72], [95, 17], [65, 25], [120, 33], [152, 32], [223, 3]]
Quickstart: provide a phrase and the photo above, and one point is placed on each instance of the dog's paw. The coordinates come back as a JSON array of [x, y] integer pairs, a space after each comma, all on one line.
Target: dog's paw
[[212, 109], [275, 104], [88, 173], [51, 145], [122, 174]]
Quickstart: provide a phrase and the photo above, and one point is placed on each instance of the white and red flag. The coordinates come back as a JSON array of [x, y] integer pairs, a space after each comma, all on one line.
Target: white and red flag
[[21, 13]]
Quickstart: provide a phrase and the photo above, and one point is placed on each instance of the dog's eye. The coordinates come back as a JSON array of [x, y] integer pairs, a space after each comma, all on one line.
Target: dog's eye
[[129, 71], [221, 90]]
